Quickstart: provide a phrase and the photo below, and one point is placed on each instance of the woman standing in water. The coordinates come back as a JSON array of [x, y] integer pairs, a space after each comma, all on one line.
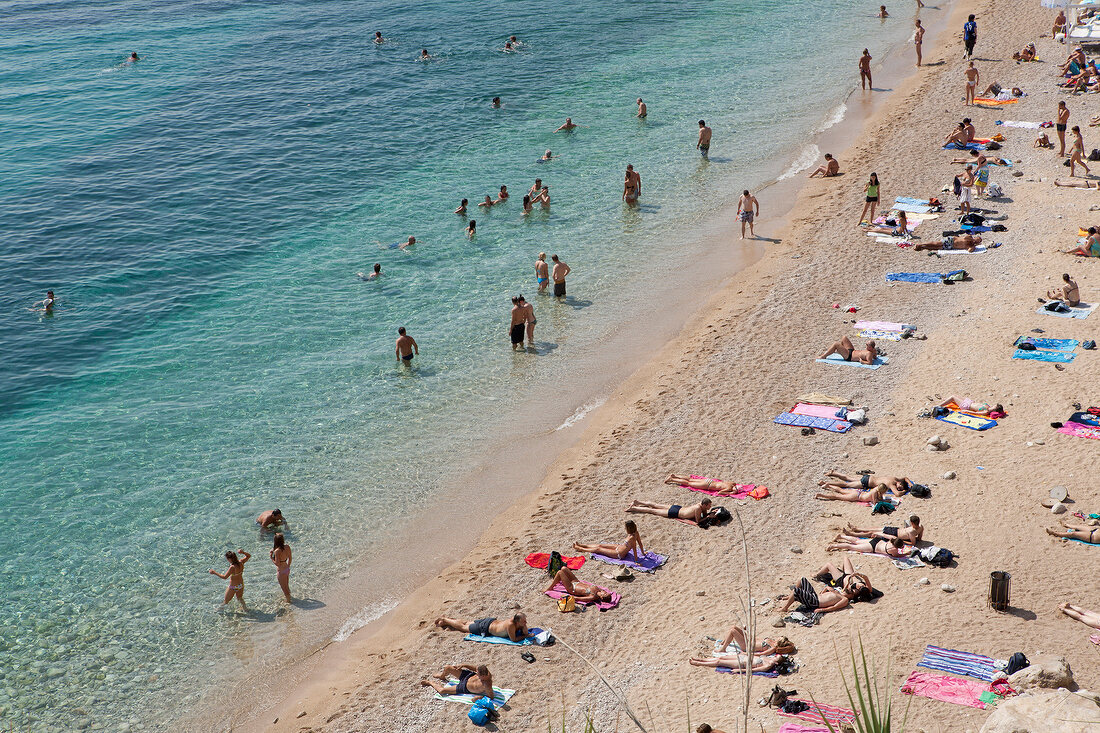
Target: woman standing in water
[[280, 555], [235, 576]]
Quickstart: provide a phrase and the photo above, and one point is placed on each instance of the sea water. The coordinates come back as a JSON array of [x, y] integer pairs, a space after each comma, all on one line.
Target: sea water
[[201, 216]]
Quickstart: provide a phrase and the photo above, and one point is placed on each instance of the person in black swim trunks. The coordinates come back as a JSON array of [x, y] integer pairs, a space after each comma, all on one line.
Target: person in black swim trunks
[[825, 602], [471, 680], [898, 484], [519, 323], [849, 352], [406, 346], [558, 274], [870, 496], [693, 513], [846, 578], [515, 629], [912, 534]]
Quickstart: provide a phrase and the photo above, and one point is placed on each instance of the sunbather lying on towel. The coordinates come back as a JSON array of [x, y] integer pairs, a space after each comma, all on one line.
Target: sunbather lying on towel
[[996, 91], [968, 405], [901, 229], [849, 352], [900, 485], [737, 660], [969, 242], [694, 513], [633, 544], [582, 591], [876, 545], [1073, 183], [870, 496], [1027, 53], [1085, 616], [514, 629], [845, 578], [707, 484], [826, 601], [765, 648], [1069, 293], [471, 680], [912, 533], [1082, 532]]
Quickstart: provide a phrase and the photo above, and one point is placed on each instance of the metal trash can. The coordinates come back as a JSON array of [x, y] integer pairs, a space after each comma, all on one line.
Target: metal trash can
[[999, 582]]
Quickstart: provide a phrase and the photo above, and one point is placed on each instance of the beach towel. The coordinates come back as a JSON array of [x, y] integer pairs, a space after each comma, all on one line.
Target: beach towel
[[901, 563], [914, 277], [965, 146], [967, 664], [1074, 539], [743, 490], [975, 228], [837, 360], [990, 102], [870, 333], [911, 200], [913, 208], [795, 728], [730, 670], [946, 689], [541, 560], [500, 696], [885, 326], [1077, 430], [966, 420], [1060, 357], [1075, 311], [817, 423], [537, 636], [804, 408], [558, 591], [977, 250], [1050, 344], [1017, 123], [818, 713], [648, 563], [910, 223]]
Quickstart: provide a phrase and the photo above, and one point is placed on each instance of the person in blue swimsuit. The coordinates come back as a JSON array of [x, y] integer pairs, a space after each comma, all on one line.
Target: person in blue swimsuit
[[542, 272]]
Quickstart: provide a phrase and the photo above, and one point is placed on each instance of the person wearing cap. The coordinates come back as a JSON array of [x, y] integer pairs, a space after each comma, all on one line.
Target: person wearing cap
[[271, 519]]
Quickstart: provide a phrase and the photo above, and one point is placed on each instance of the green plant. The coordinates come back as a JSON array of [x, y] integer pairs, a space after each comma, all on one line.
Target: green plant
[[874, 705]]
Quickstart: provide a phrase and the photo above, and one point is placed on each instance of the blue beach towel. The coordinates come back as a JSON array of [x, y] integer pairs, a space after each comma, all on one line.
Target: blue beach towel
[[914, 277], [1078, 311], [528, 641], [500, 696], [968, 664], [913, 208], [911, 200], [1049, 344], [967, 146], [1074, 539], [650, 561], [975, 228], [818, 423], [836, 360], [730, 670], [1059, 357]]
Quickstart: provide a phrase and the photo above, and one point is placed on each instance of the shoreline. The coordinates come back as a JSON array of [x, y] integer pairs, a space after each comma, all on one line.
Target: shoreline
[[752, 270]]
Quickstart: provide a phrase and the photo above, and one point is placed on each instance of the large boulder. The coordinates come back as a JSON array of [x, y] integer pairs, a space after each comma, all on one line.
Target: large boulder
[[1046, 672], [1046, 711]]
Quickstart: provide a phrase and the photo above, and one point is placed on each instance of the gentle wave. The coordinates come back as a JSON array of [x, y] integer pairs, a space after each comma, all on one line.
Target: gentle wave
[[363, 617], [807, 157], [580, 413]]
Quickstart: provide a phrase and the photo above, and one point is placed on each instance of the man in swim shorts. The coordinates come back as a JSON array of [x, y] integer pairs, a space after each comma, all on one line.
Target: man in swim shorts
[[642, 112], [835, 480], [703, 144], [515, 629], [745, 212], [912, 533], [848, 352], [824, 602], [471, 680], [542, 272], [694, 513], [519, 323], [969, 242], [406, 346], [1060, 127], [558, 274]]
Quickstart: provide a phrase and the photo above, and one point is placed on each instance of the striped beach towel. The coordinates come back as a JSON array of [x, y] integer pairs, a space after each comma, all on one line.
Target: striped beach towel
[[730, 670], [968, 664], [820, 423], [818, 713], [500, 696]]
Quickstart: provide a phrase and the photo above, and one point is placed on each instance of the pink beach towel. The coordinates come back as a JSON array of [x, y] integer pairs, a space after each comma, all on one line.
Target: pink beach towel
[[884, 326], [946, 689], [741, 493], [836, 716], [796, 728], [1079, 430], [805, 408], [558, 591]]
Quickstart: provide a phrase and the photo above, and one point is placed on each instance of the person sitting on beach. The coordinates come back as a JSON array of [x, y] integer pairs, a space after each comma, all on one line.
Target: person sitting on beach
[[720, 487], [1069, 293], [471, 680], [583, 592], [273, 518], [968, 405], [900, 229], [956, 137], [1085, 616], [694, 513], [1075, 61], [568, 126], [829, 169], [633, 544], [515, 629], [1082, 532], [912, 533], [488, 202], [855, 585], [1027, 53], [1091, 247], [868, 496], [827, 601], [969, 129], [969, 242], [848, 352], [737, 660], [1059, 23], [875, 545], [900, 485], [1044, 142], [704, 728], [768, 647]]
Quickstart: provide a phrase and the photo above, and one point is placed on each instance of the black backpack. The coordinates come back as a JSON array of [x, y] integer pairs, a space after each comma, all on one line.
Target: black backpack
[[941, 559], [1016, 662], [1095, 154], [973, 219]]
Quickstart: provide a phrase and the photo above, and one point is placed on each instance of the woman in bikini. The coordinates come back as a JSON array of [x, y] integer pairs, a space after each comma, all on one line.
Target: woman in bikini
[[768, 647], [876, 545], [968, 405], [737, 660], [901, 229], [900, 485], [857, 585], [694, 513], [870, 496], [235, 576], [848, 351], [633, 545], [280, 555], [1081, 532], [720, 487], [583, 592]]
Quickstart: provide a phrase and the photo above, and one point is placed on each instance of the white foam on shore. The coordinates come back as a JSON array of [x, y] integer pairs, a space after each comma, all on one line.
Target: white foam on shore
[[369, 613], [807, 157], [580, 412], [835, 117]]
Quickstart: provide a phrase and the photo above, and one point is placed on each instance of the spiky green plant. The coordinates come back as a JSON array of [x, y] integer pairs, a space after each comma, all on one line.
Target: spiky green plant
[[875, 705]]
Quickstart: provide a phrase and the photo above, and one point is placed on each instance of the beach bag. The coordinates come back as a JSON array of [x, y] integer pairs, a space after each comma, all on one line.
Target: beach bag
[[719, 515], [1056, 306], [567, 604], [482, 712], [920, 491], [998, 228], [1095, 154], [555, 564], [955, 276], [998, 137], [973, 220], [1016, 662], [794, 707], [992, 145], [939, 557], [883, 507], [956, 186], [994, 191], [779, 696]]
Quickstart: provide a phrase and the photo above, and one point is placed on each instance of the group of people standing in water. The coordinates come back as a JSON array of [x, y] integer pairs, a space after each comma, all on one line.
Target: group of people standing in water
[[280, 554]]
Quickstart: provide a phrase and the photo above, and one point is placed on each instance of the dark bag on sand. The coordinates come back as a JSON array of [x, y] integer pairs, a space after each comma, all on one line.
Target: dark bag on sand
[[920, 491], [779, 696], [1095, 154], [993, 145], [720, 515], [998, 228], [883, 507], [794, 707], [1056, 306], [1016, 662], [973, 220], [939, 557], [1066, 162]]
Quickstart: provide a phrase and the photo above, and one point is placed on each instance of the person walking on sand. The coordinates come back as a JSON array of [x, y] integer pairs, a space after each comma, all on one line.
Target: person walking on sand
[[865, 70], [972, 77], [406, 346], [918, 38], [542, 272], [1077, 153], [235, 576], [642, 112], [519, 323], [560, 271], [870, 192], [529, 313], [748, 208], [703, 143], [280, 556], [1060, 127], [970, 35]]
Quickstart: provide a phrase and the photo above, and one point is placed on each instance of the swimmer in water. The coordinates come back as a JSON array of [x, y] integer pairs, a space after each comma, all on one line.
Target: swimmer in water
[[543, 197], [461, 210], [46, 304], [547, 156], [526, 205], [411, 242], [487, 203], [496, 102], [424, 55], [535, 188], [882, 12], [542, 272], [373, 276], [134, 57], [502, 196], [508, 48], [235, 576], [378, 38], [513, 40], [471, 229], [280, 555], [568, 126], [274, 518]]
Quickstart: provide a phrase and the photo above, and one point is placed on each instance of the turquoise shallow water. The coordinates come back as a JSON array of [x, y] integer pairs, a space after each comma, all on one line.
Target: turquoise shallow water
[[202, 215]]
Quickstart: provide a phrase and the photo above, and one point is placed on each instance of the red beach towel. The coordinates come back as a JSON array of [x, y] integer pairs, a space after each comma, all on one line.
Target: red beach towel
[[836, 716], [541, 560]]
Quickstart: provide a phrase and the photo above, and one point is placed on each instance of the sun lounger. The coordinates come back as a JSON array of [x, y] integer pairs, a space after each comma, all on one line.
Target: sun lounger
[[837, 360]]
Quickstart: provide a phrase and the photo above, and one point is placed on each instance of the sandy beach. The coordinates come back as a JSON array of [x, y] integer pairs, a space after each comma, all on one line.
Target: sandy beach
[[705, 403]]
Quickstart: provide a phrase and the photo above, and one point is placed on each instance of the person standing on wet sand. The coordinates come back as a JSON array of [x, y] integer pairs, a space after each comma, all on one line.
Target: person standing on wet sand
[[518, 325], [559, 273], [1060, 127], [642, 112], [280, 556], [542, 272], [406, 346], [703, 143], [918, 38], [865, 70], [970, 35], [972, 77], [748, 208]]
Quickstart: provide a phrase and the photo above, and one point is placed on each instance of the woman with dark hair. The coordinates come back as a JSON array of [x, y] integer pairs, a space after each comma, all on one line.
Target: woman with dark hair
[[235, 576], [633, 545], [871, 194], [280, 555]]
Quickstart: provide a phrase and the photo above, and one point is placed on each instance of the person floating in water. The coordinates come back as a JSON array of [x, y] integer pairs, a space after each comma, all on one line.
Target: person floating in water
[[377, 273], [235, 576], [274, 518], [46, 304], [411, 241], [406, 346], [281, 557]]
